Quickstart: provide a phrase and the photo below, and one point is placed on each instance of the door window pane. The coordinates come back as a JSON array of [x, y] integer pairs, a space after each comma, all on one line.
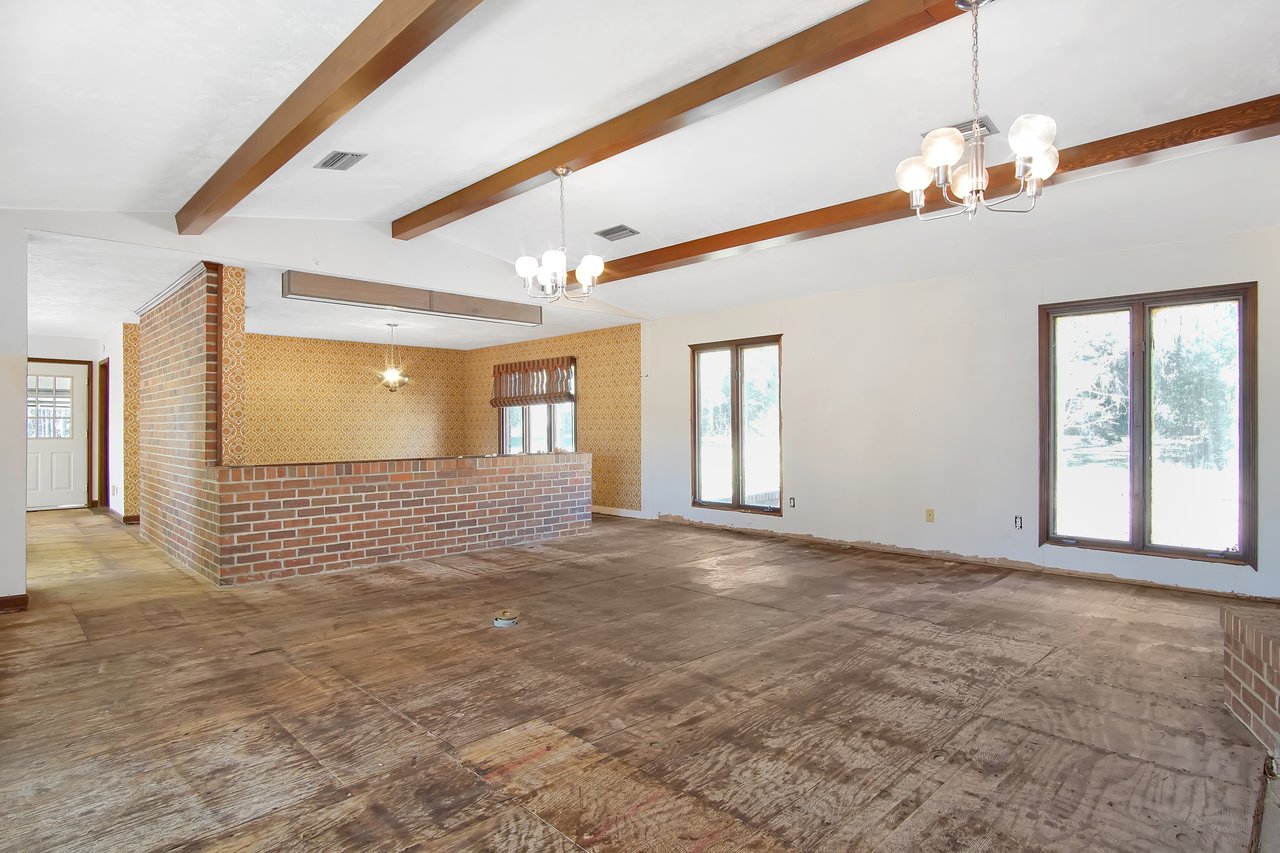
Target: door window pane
[[537, 432], [1195, 426], [1091, 420], [563, 425], [761, 428], [714, 427], [49, 407]]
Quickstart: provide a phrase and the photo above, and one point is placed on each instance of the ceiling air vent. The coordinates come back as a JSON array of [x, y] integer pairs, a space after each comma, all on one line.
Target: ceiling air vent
[[340, 161], [985, 126], [617, 232]]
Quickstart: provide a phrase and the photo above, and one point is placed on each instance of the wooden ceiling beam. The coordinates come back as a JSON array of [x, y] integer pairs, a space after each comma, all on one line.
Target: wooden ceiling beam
[[384, 42], [853, 33], [1253, 120]]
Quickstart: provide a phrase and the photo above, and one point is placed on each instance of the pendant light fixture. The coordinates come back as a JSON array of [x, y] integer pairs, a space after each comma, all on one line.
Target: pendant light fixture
[[393, 378], [954, 158], [549, 279]]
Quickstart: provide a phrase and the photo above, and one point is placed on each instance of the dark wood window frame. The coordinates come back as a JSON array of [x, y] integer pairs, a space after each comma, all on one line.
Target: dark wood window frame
[[551, 429], [1139, 307], [735, 408]]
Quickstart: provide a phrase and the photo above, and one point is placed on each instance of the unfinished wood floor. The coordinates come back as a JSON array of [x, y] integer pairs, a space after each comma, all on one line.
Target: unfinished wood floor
[[668, 688]]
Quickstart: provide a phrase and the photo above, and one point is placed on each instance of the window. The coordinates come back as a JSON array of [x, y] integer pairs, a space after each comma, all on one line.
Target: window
[[538, 429], [1148, 424], [737, 425], [535, 402], [48, 407]]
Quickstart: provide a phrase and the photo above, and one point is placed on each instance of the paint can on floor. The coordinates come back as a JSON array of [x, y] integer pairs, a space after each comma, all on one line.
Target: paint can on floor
[[505, 619]]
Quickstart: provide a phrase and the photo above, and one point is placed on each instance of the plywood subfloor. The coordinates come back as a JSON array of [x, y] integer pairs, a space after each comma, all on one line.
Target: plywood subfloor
[[668, 688]]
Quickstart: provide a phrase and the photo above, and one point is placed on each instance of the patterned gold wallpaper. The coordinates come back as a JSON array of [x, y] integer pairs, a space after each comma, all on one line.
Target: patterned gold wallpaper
[[291, 400], [608, 410], [309, 400], [130, 367], [232, 387]]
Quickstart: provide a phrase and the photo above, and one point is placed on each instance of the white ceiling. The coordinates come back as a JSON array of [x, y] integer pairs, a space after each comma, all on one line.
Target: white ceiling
[[132, 104], [129, 105], [514, 77]]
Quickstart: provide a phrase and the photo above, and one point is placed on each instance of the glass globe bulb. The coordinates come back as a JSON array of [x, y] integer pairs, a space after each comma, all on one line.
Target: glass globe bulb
[[943, 147], [553, 260], [592, 265], [1044, 164], [544, 277], [962, 181], [526, 267], [913, 174], [1031, 134]]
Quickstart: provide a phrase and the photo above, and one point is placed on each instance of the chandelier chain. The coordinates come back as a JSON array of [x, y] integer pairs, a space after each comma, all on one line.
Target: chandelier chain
[[976, 108], [563, 239]]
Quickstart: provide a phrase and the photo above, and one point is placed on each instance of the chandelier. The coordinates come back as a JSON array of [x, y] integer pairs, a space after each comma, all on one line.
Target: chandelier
[[549, 279], [954, 158], [393, 378]]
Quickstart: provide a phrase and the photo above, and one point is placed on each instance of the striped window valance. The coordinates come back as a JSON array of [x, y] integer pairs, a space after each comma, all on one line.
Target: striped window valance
[[531, 383]]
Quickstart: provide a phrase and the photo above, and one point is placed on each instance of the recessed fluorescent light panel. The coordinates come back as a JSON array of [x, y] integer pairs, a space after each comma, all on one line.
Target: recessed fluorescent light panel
[[314, 287]]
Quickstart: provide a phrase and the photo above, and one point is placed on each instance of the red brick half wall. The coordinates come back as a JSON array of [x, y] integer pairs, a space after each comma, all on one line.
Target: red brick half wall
[[283, 520], [1251, 671]]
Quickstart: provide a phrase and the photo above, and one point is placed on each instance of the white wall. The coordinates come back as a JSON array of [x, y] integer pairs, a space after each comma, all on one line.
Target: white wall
[[112, 347], [899, 398], [55, 346]]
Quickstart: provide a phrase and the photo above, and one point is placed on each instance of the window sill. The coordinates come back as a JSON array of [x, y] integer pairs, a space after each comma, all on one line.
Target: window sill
[[1155, 551], [753, 510]]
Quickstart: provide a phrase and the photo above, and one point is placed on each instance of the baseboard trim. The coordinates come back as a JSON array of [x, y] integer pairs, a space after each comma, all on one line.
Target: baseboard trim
[[123, 519], [987, 563], [621, 513], [12, 603]]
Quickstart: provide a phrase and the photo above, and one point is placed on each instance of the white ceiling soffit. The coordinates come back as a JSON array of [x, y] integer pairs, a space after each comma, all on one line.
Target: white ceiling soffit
[[77, 287], [1150, 205], [82, 287], [267, 313], [510, 79], [127, 105]]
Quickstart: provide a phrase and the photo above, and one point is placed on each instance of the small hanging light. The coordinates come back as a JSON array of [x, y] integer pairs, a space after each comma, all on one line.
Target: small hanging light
[[392, 374]]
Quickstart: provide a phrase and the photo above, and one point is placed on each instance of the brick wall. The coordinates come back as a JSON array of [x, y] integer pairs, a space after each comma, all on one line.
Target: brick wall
[[280, 521], [177, 422], [1251, 672]]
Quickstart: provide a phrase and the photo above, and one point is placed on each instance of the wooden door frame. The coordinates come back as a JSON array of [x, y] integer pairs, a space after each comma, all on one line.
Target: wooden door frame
[[102, 417], [88, 369]]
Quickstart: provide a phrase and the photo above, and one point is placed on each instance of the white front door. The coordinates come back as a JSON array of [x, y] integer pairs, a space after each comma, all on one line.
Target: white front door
[[57, 435]]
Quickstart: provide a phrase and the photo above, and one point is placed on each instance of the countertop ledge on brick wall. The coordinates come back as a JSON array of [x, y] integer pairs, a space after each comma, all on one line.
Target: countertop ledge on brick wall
[[240, 473]]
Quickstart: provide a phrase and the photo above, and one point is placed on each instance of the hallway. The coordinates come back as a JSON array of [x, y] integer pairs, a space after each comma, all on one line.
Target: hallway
[[667, 688]]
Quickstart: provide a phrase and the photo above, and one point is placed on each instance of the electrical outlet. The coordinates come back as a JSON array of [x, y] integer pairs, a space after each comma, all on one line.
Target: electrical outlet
[[115, 490], [929, 515], [793, 503], [1017, 522]]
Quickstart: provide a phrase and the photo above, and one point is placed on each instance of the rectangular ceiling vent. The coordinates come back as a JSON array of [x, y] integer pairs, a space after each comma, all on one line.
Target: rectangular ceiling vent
[[617, 232], [985, 126], [340, 161]]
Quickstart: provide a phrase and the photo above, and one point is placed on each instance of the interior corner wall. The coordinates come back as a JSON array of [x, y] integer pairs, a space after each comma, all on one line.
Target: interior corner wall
[[926, 394], [13, 427], [608, 408], [178, 423], [120, 347]]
